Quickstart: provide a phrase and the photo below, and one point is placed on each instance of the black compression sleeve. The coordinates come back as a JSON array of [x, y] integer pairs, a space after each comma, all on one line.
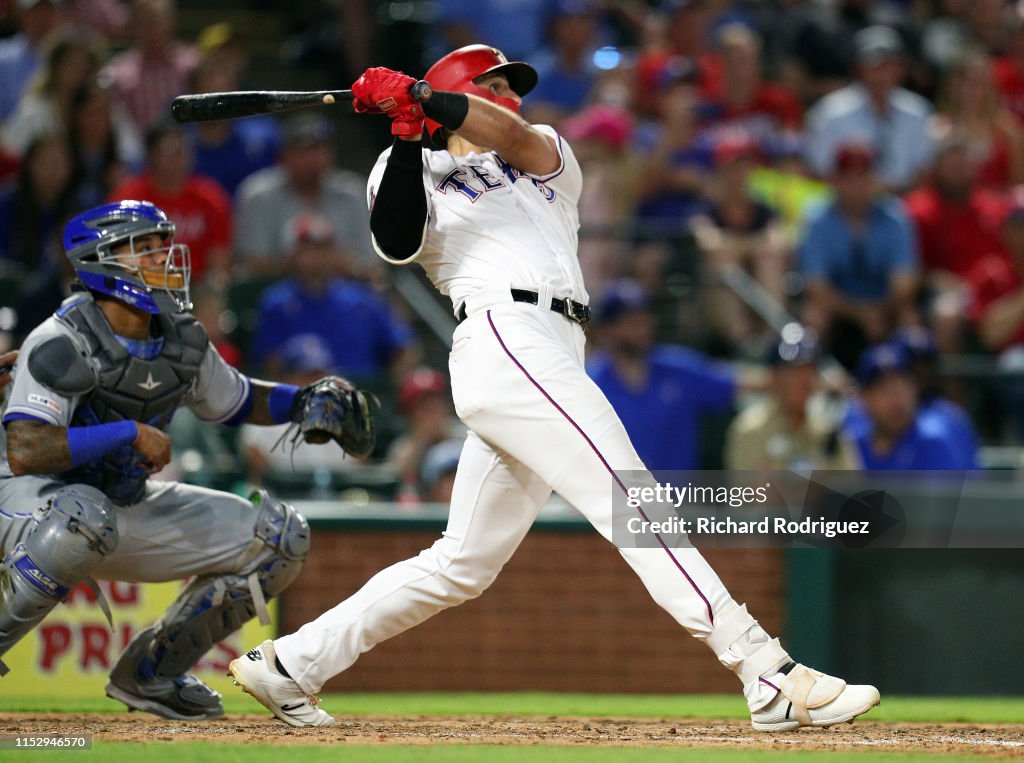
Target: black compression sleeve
[[400, 207], [447, 109]]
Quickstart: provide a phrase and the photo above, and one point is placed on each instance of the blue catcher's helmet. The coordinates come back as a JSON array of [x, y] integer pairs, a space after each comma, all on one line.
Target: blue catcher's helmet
[[88, 242]]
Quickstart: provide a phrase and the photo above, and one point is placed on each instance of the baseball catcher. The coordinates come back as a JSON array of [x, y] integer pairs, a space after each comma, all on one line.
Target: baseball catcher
[[93, 391]]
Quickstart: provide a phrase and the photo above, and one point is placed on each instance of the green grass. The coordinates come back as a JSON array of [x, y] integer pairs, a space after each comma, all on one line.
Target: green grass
[[200, 753], [893, 709]]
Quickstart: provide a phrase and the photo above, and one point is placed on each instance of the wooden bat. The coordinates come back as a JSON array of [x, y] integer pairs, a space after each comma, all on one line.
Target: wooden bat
[[209, 107]]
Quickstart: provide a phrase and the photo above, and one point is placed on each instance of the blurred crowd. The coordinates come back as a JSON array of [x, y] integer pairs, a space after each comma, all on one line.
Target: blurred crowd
[[797, 216]]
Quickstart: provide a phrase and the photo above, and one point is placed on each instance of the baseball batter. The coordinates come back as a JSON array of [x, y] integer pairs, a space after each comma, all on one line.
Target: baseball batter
[[94, 388], [493, 220]]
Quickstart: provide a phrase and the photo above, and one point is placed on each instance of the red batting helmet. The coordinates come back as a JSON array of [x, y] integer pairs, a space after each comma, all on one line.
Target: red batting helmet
[[459, 70]]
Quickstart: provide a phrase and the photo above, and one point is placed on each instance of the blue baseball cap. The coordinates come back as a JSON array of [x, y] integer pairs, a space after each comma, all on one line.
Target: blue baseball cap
[[621, 297], [885, 358]]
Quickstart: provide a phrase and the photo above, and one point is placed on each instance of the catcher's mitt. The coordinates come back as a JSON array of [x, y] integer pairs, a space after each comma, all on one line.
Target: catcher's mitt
[[332, 409]]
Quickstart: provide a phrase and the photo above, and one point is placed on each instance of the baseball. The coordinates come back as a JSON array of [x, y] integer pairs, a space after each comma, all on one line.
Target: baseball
[[328, 99]]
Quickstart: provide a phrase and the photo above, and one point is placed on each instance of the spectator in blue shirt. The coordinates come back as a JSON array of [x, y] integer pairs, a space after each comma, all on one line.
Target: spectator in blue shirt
[[859, 259], [938, 413], [566, 68], [365, 339], [228, 150], [659, 392], [899, 435], [21, 54]]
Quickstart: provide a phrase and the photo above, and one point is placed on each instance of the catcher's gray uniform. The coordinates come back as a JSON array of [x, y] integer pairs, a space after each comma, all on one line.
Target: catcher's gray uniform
[[104, 519]]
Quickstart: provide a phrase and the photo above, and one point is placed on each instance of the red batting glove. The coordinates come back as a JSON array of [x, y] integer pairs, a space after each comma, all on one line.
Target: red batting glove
[[385, 91]]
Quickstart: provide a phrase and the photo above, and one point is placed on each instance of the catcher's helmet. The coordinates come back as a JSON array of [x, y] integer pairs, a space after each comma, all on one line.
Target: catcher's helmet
[[90, 236], [459, 70]]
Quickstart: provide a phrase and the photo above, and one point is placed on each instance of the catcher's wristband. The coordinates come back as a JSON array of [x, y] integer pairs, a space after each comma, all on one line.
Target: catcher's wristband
[[280, 402], [91, 443]]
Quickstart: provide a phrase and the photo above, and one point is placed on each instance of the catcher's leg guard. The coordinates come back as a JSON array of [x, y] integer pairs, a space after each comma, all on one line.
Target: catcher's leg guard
[[150, 675], [76, 530]]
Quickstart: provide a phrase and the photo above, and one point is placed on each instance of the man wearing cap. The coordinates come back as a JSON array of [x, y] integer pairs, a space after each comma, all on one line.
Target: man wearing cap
[[859, 260], [876, 111], [304, 180], [660, 392], [792, 429], [425, 401], [358, 327], [738, 231], [898, 437]]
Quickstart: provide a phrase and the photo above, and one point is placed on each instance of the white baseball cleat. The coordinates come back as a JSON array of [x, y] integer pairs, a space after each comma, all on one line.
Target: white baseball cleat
[[254, 671], [810, 698]]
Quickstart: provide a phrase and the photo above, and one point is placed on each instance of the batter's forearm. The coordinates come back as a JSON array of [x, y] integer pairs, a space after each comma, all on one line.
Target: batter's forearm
[[490, 126], [37, 448]]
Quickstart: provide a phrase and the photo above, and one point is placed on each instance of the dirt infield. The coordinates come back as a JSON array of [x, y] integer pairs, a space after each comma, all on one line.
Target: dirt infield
[[995, 741]]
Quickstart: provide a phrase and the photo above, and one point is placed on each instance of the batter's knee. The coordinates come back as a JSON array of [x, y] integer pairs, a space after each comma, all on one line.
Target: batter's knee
[[285, 536], [464, 577]]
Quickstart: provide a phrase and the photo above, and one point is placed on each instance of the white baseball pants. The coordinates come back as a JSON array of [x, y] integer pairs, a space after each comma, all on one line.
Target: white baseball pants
[[537, 423]]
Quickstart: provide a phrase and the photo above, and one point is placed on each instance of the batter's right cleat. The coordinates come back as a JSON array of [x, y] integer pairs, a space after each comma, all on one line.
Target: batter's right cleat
[[810, 698], [254, 671], [182, 698]]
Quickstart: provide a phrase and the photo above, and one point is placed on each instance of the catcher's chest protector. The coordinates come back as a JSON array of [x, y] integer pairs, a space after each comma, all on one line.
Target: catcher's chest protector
[[129, 387], [121, 386]]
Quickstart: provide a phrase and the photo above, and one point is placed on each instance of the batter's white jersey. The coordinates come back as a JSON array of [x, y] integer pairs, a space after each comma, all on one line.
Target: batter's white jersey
[[491, 227]]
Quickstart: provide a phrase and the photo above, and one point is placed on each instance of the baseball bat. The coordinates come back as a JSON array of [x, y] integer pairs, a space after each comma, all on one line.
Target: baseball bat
[[209, 107]]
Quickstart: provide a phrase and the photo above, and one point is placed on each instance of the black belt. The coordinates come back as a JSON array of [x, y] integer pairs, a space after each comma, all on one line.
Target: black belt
[[575, 311]]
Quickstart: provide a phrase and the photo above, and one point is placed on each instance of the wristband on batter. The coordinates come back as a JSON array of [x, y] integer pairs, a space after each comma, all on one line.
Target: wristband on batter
[[280, 402], [447, 109], [88, 444]]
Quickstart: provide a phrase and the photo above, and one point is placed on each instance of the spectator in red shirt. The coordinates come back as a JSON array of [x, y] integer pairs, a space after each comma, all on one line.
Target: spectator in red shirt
[[970, 103], [997, 283], [156, 68], [1008, 69], [685, 35], [764, 110], [199, 206], [997, 310], [958, 223]]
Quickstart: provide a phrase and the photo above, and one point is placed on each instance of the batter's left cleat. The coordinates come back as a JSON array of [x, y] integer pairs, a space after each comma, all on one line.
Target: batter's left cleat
[[182, 698], [811, 698]]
